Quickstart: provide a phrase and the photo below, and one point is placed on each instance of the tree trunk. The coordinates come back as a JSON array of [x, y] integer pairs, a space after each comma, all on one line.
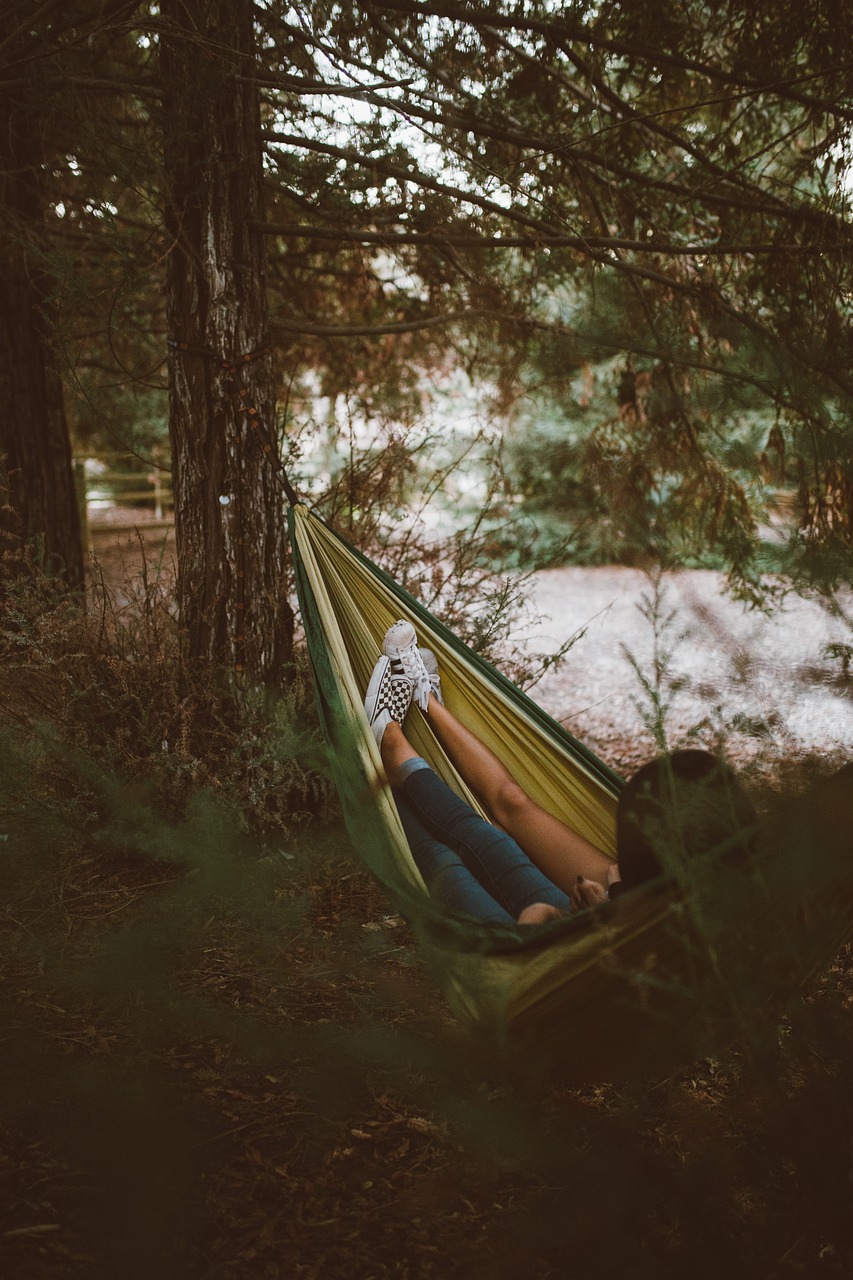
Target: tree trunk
[[229, 508], [38, 505]]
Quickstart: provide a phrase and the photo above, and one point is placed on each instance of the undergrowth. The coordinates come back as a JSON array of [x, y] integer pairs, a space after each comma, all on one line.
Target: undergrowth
[[221, 1058], [113, 686]]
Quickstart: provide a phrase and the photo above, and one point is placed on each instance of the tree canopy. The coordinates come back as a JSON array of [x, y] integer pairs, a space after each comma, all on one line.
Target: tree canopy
[[566, 184], [528, 191]]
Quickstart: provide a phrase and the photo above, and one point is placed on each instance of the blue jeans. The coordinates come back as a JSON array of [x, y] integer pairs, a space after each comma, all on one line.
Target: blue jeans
[[467, 864]]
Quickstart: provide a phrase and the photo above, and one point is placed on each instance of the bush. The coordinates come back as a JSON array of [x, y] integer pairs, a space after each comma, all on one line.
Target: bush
[[113, 686]]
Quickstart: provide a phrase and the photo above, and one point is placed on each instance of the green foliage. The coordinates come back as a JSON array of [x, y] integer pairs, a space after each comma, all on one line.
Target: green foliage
[[604, 489], [465, 551], [211, 1062], [839, 652], [674, 192], [152, 899], [170, 1041], [659, 685]]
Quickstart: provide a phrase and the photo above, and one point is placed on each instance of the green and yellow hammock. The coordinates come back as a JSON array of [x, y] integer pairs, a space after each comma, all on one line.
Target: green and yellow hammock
[[627, 990]]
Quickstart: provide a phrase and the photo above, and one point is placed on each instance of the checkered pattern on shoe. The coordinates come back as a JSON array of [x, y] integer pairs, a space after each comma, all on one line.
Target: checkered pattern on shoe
[[396, 697], [388, 697]]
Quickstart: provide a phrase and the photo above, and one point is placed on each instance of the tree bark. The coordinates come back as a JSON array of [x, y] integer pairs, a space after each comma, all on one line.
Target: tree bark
[[38, 505], [229, 507]]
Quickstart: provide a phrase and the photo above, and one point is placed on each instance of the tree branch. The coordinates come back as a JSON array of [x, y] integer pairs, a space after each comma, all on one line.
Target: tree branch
[[714, 196], [404, 175], [582, 34], [461, 240]]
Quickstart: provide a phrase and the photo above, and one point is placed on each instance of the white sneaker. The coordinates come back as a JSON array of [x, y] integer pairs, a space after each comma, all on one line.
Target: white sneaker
[[401, 646], [430, 662], [388, 698]]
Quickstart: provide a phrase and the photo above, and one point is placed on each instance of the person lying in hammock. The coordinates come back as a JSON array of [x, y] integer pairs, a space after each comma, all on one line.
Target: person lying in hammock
[[527, 867]]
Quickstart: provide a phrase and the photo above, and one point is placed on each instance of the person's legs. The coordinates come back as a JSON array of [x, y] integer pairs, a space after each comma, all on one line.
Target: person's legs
[[492, 857], [486, 851], [558, 851], [467, 863], [396, 751], [446, 877]]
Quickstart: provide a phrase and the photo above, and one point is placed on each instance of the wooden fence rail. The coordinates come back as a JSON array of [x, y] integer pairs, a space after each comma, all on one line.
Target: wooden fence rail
[[121, 487]]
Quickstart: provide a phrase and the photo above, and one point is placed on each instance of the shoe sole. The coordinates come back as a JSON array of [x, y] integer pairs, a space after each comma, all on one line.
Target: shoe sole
[[372, 695], [432, 669]]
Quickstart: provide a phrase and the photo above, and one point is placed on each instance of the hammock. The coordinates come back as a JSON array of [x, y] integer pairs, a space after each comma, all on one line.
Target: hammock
[[628, 989]]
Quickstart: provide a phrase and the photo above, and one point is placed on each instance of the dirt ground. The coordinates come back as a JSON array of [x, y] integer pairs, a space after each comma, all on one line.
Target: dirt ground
[[120, 543]]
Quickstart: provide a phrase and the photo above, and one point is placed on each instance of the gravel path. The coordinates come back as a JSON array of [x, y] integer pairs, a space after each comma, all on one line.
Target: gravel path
[[763, 683]]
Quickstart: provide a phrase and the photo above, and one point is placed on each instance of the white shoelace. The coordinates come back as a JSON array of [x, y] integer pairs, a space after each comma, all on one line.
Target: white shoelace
[[410, 662]]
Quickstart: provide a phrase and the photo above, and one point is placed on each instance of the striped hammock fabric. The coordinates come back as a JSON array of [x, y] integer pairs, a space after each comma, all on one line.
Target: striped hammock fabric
[[628, 989]]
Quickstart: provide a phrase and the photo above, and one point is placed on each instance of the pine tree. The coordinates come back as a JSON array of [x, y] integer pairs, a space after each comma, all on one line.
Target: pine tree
[[229, 508]]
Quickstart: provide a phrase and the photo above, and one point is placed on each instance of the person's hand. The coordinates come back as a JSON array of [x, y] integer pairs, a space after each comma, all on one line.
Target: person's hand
[[586, 893]]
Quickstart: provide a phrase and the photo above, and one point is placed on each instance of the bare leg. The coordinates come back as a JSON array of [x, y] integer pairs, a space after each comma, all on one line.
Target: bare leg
[[396, 749], [558, 851]]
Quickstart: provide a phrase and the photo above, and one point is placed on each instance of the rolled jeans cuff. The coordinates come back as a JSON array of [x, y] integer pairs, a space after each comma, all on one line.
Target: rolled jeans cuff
[[411, 766]]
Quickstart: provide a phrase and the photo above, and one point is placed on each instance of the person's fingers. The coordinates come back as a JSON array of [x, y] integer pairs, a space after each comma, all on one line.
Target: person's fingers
[[586, 893]]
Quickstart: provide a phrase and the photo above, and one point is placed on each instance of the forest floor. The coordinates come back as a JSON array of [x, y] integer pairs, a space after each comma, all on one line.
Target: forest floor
[[256, 1081]]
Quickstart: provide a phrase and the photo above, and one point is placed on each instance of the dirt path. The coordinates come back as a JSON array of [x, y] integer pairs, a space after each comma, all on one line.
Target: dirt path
[[763, 682], [121, 545]]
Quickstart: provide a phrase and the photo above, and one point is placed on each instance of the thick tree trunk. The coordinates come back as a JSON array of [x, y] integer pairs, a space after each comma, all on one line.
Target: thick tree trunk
[[38, 504], [229, 509]]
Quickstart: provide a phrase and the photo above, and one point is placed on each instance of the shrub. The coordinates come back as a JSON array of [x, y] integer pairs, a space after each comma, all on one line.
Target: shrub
[[113, 685]]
